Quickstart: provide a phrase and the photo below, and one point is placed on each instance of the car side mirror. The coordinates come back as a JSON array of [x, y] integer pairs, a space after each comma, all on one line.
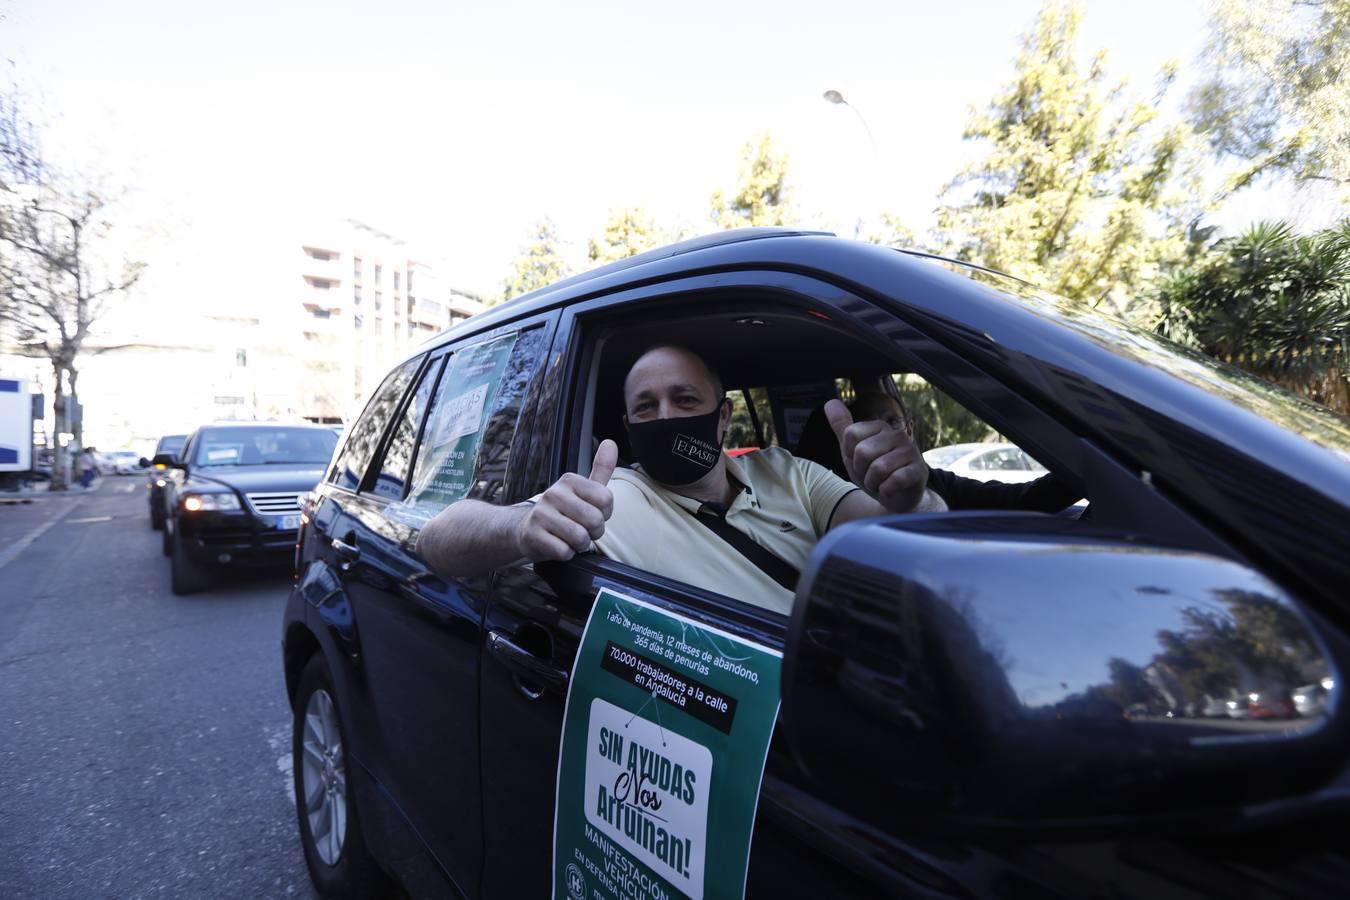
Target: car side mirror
[[143, 463], [986, 673], [167, 461]]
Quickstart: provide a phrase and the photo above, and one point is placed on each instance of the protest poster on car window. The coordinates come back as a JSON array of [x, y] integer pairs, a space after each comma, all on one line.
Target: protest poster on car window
[[665, 733], [445, 464]]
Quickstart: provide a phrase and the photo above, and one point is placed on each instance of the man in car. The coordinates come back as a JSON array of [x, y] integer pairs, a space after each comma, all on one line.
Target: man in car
[[740, 527]]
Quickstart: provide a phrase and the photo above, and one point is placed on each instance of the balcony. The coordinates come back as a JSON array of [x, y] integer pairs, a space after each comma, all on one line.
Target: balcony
[[335, 267]]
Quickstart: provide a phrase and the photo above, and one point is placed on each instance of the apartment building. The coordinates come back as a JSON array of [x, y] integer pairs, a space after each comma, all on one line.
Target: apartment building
[[364, 301]]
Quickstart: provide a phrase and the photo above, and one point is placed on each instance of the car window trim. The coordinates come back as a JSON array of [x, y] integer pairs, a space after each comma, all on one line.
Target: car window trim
[[376, 461], [372, 475], [686, 598]]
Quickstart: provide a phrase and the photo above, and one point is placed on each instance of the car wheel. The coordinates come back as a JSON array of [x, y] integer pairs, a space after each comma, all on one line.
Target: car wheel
[[325, 805], [186, 576], [166, 537]]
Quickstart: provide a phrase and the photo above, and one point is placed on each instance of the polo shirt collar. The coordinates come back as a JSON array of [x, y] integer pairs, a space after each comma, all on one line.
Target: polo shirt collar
[[735, 472]]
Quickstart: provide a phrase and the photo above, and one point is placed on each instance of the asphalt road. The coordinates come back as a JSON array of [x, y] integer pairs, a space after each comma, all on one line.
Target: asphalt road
[[144, 738]]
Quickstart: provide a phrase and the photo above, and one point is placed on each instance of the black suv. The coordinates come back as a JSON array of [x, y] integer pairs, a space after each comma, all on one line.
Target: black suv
[[157, 478], [973, 704], [233, 496]]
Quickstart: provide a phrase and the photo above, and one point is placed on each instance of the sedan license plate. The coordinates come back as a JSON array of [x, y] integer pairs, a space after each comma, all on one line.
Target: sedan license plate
[[288, 523]]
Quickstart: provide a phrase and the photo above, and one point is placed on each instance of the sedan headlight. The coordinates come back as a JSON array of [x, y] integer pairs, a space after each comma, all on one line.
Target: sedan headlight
[[210, 502]]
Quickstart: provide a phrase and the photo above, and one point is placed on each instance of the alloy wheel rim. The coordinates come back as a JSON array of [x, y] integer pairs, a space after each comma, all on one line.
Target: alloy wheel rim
[[323, 778]]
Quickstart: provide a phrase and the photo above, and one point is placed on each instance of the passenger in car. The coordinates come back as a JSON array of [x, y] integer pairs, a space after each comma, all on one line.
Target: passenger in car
[[1049, 493], [741, 527]]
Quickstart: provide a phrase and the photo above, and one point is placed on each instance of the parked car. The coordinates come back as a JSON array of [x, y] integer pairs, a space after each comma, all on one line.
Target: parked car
[[953, 684], [119, 462], [233, 496], [986, 462], [156, 475], [1311, 699]]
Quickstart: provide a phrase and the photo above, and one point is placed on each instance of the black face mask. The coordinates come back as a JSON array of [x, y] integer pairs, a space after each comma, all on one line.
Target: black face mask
[[677, 451]]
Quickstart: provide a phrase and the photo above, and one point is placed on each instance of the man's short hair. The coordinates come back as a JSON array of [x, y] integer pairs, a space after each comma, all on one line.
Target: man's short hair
[[713, 374]]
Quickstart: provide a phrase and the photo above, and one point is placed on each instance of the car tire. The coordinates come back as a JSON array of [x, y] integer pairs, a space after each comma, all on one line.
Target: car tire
[[185, 576], [166, 538], [339, 863]]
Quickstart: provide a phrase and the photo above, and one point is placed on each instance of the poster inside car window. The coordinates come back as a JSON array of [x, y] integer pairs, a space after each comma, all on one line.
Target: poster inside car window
[[445, 465], [665, 734]]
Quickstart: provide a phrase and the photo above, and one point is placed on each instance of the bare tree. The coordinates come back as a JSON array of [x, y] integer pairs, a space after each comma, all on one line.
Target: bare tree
[[56, 280]]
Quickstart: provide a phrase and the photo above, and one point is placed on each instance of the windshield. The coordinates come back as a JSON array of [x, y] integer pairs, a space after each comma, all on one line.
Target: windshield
[[1314, 422], [172, 444], [264, 446]]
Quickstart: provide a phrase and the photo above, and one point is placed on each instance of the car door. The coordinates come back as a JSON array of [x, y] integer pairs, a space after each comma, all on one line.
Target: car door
[[419, 635], [533, 628]]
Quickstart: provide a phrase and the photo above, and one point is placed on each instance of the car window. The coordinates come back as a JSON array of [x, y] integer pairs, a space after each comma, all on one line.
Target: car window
[[172, 445], [365, 435], [466, 442], [399, 454], [752, 423], [1005, 459]]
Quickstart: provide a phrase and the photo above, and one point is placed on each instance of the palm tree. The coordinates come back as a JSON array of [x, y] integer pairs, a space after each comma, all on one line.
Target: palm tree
[[1274, 303]]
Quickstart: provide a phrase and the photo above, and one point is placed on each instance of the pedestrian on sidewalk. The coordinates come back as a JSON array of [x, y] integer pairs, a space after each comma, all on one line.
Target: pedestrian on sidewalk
[[87, 467]]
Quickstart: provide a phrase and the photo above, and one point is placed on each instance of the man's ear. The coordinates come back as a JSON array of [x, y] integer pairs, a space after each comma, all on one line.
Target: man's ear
[[625, 421], [725, 418]]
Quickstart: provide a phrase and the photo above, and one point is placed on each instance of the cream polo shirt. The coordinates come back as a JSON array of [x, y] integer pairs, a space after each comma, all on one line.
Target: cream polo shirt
[[786, 507]]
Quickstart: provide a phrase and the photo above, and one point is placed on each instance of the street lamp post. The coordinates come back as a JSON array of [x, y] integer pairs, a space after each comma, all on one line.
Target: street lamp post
[[838, 99]]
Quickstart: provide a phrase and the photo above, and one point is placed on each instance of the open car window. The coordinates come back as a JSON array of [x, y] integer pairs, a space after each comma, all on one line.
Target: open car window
[[778, 394]]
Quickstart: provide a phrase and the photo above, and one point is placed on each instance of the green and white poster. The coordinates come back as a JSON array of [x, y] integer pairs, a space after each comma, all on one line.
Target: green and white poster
[[665, 734]]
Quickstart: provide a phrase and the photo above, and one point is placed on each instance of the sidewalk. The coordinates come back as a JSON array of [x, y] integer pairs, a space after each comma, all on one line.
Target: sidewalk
[[40, 490]]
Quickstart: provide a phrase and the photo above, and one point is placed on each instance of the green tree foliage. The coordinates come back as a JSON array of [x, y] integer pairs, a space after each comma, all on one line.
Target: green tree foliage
[[628, 232], [1279, 95], [762, 195], [1275, 303], [892, 232], [938, 419], [1244, 643], [1082, 191], [540, 262]]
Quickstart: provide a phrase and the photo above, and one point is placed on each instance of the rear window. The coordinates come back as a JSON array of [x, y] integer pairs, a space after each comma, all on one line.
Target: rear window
[[172, 444], [263, 446]]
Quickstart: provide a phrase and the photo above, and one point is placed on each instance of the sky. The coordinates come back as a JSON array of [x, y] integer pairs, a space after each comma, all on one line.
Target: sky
[[456, 126]]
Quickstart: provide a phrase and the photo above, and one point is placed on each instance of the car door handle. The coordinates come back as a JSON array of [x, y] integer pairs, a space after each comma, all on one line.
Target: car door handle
[[525, 663], [346, 552]]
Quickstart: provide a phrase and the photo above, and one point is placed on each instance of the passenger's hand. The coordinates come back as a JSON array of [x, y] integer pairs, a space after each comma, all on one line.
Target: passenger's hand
[[880, 459], [571, 513]]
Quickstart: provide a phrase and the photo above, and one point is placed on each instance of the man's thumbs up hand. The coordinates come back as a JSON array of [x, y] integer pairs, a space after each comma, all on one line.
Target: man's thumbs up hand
[[881, 460], [571, 513], [606, 458]]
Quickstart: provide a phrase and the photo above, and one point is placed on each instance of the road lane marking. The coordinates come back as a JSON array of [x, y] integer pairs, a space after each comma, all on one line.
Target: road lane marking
[[8, 554], [128, 488], [85, 519]]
